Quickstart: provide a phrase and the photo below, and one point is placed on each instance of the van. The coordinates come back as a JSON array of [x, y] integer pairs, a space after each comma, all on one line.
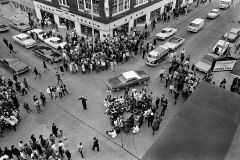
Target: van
[[224, 4], [157, 55], [196, 25]]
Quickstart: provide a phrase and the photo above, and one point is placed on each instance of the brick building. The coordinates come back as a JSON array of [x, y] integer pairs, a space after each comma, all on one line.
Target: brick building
[[109, 16]]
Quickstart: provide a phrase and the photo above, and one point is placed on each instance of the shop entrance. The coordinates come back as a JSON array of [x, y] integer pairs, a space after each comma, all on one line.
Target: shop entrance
[[141, 21], [121, 30], [168, 7], [66, 22], [87, 31]]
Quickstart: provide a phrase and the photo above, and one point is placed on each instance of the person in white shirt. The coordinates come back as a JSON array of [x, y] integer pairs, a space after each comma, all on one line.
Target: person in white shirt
[[112, 133], [135, 129], [80, 149]]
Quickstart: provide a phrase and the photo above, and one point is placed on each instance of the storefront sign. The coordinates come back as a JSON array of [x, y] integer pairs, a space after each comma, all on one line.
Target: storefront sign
[[224, 65]]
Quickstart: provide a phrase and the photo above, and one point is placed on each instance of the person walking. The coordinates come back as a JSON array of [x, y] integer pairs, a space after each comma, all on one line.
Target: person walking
[[26, 106], [37, 103], [150, 119], [68, 154], [158, 120], [10, 46], [165, 103], [58, 77], [43, 98], [61, 68], [80, 149], [64, 89], [143, 53], [154, 127], [140, 120], [23, 90], [37, 74], [84, 102], [49, 91], [45, 66], [26, 83], [5, 41], [176, 95], [55, 129], [157, 102], [95, 144]]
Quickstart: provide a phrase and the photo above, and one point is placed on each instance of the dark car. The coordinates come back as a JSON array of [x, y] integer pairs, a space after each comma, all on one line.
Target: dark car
[[48, 53], [127, 79], [3, 27], [15, 65]]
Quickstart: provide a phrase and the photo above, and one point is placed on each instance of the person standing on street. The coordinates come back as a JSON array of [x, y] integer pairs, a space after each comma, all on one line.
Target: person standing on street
[[58, 77], [157, 102], [10, 46], [95, 144], [23, 90], [64, 89], [55, 129], [37, 74], [37, 104], [43, 98], [26, 106], [68, 154], [176, 95], [80, 149], [45, 66], [49, 91], [84, 102], [154, 127], [26, 83], [5, 41], [143, 53]]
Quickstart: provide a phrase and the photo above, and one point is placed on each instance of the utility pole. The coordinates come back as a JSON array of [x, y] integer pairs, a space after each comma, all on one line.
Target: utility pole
[[92, 24]]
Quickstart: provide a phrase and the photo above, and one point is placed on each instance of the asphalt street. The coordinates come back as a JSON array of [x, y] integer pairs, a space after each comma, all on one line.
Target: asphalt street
[[82, 125]]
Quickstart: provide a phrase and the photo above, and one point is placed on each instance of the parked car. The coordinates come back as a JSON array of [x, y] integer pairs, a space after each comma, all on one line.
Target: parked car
[[127, 79], [48, 53], [55, 42], [233, 35], [223, 47], [213, 14], [174, 43], [165, 33], [205, 64], [15, 65], [24, 40], [3, 27], [20, 26], [39, 32]]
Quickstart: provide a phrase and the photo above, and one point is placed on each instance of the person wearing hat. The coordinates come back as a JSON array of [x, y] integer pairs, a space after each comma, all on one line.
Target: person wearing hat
[[84, 102]]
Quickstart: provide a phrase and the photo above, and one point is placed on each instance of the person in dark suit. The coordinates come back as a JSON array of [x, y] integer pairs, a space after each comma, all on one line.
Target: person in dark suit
[[84, 102], [95, 144]]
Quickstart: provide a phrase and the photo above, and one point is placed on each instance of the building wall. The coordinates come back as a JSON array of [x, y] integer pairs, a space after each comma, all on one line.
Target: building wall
[[81, 18], [23, 6]]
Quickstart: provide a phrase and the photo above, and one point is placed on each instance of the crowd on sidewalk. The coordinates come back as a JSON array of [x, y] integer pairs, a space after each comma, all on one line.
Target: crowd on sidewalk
[[51, 148]]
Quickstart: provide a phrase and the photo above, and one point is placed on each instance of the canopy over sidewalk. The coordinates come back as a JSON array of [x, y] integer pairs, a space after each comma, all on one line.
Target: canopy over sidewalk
[[202, 129]]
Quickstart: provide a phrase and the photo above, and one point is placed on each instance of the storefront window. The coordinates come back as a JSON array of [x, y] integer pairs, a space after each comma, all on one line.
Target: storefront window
[[88, 31], [66, 22], [140, 21], [123, 29], [155, 14]]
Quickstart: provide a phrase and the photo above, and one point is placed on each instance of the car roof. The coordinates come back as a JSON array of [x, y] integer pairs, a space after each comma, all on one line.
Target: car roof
[[53, 38], [210, 57], [235, 30], [215, 10], [221, 42], [167, 29], [130, 74], [36, 30], [153, 53], [22, 35]]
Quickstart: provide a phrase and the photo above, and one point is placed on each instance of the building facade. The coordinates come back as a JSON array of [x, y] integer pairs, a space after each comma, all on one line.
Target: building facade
[[109, 16], [23, 6]]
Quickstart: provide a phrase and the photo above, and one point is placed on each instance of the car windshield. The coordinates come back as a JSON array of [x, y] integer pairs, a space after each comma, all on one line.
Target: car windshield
[[164, 31], [193, 25], [174, 40], [122, 79], [214, 11], [58, 41], [25, 38], [233, 33], [152, 56], [40, 33], [21, 24], [2, 25], [226, 3], [14, 63]]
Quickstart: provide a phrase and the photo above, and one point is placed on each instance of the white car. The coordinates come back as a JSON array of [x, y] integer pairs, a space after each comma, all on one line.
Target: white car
[[55, 42], [223, 47], [174, 43], [213, 14], [165, 33], [25, 40], [39, 32], [205, 64]]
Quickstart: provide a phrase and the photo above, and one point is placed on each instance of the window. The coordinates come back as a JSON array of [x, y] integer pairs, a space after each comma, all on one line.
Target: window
[[63, 2], [120, 5], [139, 2], [86, 5]]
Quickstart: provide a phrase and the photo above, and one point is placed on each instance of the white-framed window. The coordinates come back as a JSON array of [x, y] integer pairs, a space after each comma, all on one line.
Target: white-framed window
[[140, 2], [63, 2], [120, 6], [86, 5]]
